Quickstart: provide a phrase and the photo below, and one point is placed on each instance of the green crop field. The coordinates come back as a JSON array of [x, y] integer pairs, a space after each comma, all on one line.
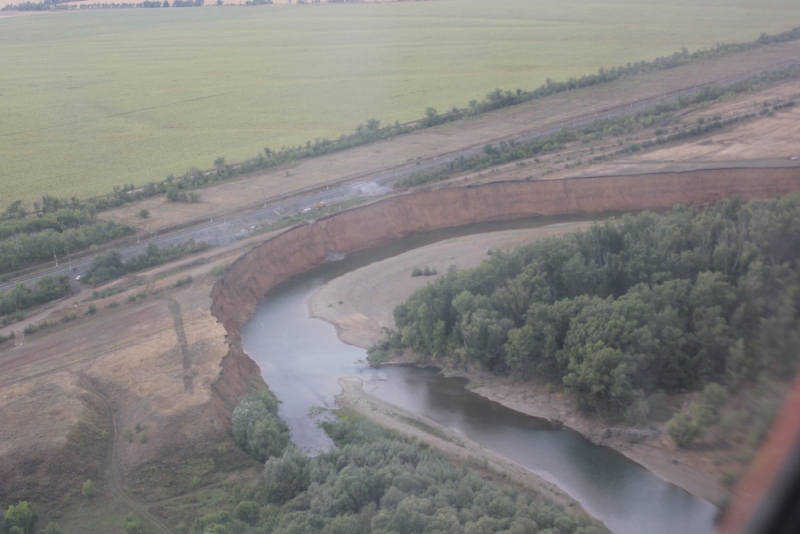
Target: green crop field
[[89, 100]]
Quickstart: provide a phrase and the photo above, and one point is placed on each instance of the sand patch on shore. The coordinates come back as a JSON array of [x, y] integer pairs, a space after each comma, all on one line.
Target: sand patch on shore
[[360, 303]]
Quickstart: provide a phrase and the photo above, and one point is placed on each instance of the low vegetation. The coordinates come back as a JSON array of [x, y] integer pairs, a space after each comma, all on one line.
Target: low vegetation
[[38, 327], [377, 481], [21, 297], [663, 116], [55, 227], [219, 270], [698, 299], [180, 282], [427, 271], [257, 428], [110, 265], [116, 289]]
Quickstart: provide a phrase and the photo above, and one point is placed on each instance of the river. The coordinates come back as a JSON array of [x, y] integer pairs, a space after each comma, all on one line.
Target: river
[[302, 359]]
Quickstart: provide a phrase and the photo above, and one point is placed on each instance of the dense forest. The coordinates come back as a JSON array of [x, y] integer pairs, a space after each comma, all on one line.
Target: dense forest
[[374, 481], [628, 310]]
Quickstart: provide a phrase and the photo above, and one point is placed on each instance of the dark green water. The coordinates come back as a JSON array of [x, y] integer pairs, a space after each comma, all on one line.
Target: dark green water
[[302, 359]]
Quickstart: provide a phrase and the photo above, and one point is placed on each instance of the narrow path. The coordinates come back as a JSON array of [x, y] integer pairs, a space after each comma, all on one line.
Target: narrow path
[[183, 344], [113, 482]]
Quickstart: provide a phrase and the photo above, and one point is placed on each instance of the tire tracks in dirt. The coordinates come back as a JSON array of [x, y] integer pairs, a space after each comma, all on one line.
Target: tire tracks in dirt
[[183, 344], [113, 482]]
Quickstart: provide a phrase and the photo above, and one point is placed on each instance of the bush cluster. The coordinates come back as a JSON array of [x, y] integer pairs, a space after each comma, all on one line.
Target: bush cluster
[[20, 297], [427, 271], [110, 265], [257, 428], [377, 482]]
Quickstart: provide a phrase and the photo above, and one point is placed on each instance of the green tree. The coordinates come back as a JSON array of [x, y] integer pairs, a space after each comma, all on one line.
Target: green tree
[[684, 430], [52, 528], [257, 428], [247, 511], [88, 489], [134, 525], [21, 517]]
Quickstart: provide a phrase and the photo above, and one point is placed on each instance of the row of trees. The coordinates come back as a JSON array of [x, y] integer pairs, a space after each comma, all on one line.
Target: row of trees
[[23, 519], [110, 265], [662, 114], [59, 221], [47, 5], [54, 227], [377, 482], [628, 309], [21, 250], [21, 296]]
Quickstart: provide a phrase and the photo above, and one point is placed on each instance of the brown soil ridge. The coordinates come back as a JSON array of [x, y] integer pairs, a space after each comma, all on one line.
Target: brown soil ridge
[[300, 248]]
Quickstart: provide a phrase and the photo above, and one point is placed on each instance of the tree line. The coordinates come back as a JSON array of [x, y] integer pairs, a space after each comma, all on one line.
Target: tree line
[[628, 310], [21, 250], [55, 227], [21, 296], [110, 265], [373, 481], [47, 5]]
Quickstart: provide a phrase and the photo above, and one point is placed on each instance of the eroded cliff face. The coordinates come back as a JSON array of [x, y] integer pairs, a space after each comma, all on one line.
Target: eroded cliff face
[[303, 247]]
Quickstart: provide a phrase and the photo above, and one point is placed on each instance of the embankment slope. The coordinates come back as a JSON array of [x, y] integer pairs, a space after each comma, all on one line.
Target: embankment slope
[[305, 246]]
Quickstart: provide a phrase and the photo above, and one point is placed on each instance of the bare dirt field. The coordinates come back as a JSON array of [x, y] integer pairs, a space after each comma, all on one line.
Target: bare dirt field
[[152, 354], [270, 186]]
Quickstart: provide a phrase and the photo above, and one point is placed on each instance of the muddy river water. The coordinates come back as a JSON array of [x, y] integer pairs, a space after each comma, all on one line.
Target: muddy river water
[[302, 359]]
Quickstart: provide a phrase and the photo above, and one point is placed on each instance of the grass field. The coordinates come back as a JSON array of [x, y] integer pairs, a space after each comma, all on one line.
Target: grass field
[[89, 100]]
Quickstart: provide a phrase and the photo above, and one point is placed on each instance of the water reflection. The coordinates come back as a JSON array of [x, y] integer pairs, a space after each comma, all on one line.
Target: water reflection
[[302, 360], [626, 496]]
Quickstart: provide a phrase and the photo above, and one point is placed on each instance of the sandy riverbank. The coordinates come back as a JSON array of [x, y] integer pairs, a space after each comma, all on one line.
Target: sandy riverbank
[[360, 303], [456, 446]]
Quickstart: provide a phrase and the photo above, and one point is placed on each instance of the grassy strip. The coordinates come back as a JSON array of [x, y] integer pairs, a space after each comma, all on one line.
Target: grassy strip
[[661, 114], [290, 220], [428, 429], [115, 290], [38, 327], [691, 132]]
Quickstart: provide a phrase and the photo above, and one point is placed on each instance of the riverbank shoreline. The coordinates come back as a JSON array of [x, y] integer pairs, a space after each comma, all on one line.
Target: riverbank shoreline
[[657, 455], [454, 445], [359, 304]]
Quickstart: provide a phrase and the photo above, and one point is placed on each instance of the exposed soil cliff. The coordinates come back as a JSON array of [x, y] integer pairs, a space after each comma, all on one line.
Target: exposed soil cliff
[[305, 246]]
